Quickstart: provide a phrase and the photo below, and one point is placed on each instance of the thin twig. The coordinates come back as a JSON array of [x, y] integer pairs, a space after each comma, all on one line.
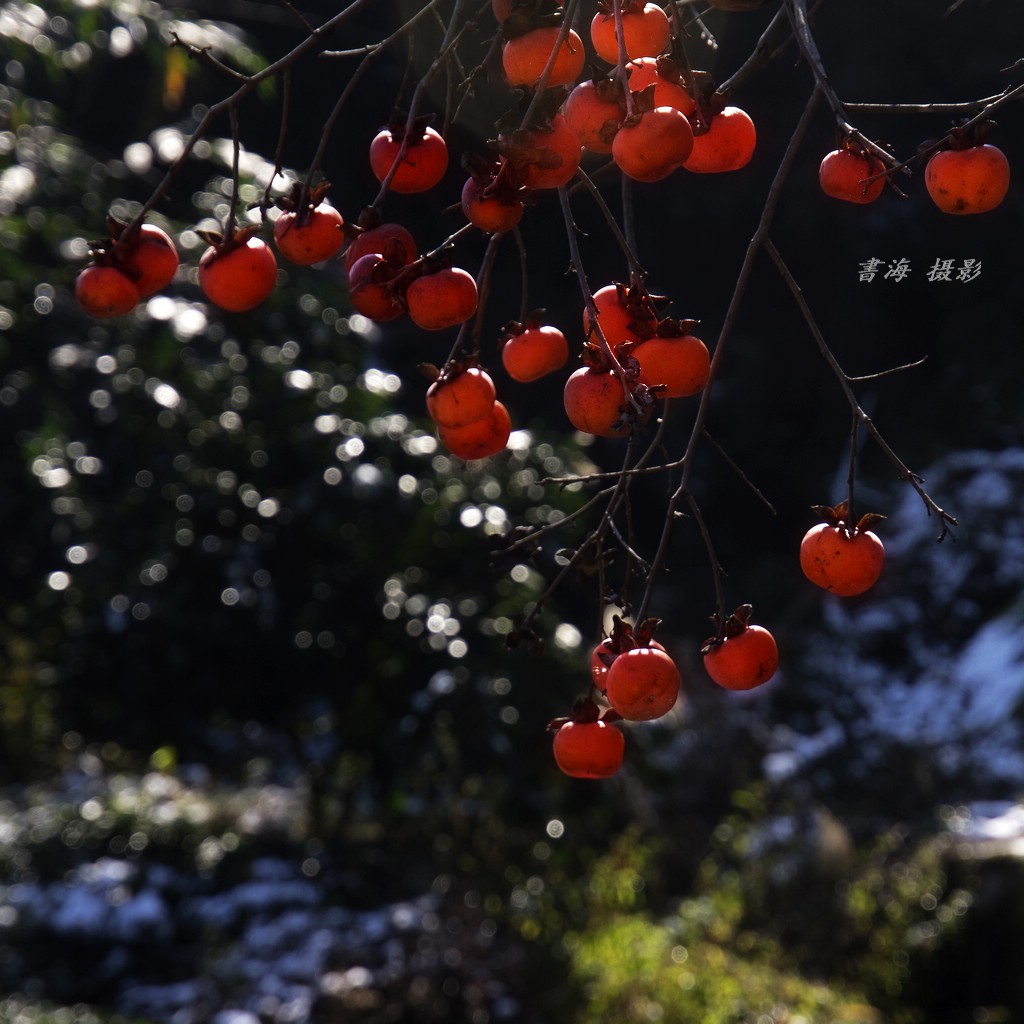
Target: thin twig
[[946, 520]]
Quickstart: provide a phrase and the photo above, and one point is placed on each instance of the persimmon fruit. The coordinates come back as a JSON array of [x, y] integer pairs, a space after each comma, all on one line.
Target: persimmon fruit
[[970, 180], [369, 288], [653, 145], [239, 275], [151, 260], [843, 561], [642, 684], [392, 240], [595, 402], [490, 211], [851, 176], [589, 750], [662, 73], [441, 299], [727, 145], [594, 110], [744, 660], [479, 438], [645, 29], [524, 57], [313, 239], [680, 363], [622, 315], [421, 167], [460, 396], [105, 291], [533, 352]]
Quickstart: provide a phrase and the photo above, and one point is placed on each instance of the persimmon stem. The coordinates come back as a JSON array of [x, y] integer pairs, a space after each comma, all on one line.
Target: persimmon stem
[[758, 239]]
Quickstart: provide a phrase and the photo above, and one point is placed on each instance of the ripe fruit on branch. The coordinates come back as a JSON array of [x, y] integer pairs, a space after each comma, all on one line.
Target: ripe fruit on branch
[[544, 156], [524, 57], [971, 177], [852, 175], [740, 656], [491, 200], [441, 298], [727, 144], [391, 240], [587, 746], [370, 287], [480, 438], [624, 637], [674, 359], [421, 167], [645, 29], [624, 313], [594, 110], [316, 237], [596, 401], [662, 73], [104, 291], [843, 558], [237, 274], [653, 144], [532, 349], [642, 684], [460, 394], [151, 260]]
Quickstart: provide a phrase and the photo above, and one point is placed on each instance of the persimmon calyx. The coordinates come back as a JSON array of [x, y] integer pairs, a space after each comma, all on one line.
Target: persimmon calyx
[[838, 517], [225, 243], [728, 626]]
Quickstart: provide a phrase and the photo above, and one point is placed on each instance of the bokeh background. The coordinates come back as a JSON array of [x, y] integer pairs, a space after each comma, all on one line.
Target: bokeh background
[[265, 752]]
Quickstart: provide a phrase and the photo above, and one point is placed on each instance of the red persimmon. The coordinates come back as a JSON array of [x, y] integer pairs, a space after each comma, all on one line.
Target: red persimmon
[[663, 74], [851, 176], [622, 315], [642, 684], [490, 211], [843, 561], [105, 291], [391, 240], [238, 275], [743, 660], [679, 362], [654, 145], [421, 167], [645, 29], [594, 111], [460, 396], [971, 180], [441, 299], [589, 750], [369, 288], [727, 145], [151, 260], [533, 352], [481, 438], [525, 56], [595, 402], [318, 237]]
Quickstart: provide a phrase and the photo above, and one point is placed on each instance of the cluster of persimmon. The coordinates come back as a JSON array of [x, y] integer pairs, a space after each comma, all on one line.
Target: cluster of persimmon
[[644, 356], [634, 679], [963, 174], [652, 120], [462, 401]]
